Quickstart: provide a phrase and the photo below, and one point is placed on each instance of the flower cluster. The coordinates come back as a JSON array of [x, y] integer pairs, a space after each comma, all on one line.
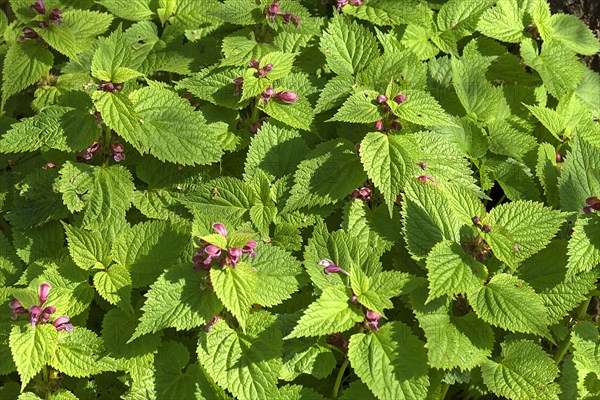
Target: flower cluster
[[284, 96], [391, 120], [209, 253], [262, 72], [88, 153], [364, 194], [342, 3], [40, 7], [110, 87], [39, 315], [118, 153], [274, 10], [425, 178], [593, 203]]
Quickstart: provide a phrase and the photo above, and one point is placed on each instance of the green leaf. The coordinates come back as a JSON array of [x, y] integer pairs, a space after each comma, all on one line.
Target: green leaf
[[335, 91], [331, 312], [372, 226], [236, 288], [573, 33], [32, 348], [62, 39], [580, 175], [329, 173], [306, 357], [390, 12], [361, 107], [275, 150], [148, 248], [523, 372], [586, 346], [238, 12], [503, 22], [390, 162], [114, 285], [79, 353], [450, 271], [461, 342], [247, 364], [118, 113], [43, 242], [277, 270], [392, 362], [530, 225], [584, 246], [500, 303], [171, 130], [422, 109], [171, 381], [298, 115], [132, 10], [547, 172], [348, 46], [214, 85], [545, 272], [282, 64], [461, 17], [87, 248], [179, 299], [24, 64]]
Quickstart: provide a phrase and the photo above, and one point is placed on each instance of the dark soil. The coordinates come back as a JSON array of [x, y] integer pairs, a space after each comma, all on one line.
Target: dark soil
[[589, 12]]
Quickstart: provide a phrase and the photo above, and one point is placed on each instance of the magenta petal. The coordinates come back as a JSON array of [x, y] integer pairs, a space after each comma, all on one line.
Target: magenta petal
[[220, 228], [63, 319], [43, 292], [14, 304]]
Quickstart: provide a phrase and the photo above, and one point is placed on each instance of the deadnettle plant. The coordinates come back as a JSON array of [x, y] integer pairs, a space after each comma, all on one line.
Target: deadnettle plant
[[331, 267], [273, 10], [209, 255], [38, 314]]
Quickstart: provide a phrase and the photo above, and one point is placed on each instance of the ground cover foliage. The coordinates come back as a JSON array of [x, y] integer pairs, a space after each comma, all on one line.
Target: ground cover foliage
[[298, 200]]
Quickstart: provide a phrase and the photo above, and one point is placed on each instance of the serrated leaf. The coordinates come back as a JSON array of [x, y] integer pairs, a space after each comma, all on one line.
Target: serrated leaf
[[422, 109], [580, 175], [114, 285], [24, 64], [372, 226], [586, 345], [171, 130], [348, 46], [178, 299], [361, 107], [503, 22], [392, 362], [390, 162], [118, 113], [298, 115], [86, 247], [331, 312], [32, 348], [236, 288], [132, 10], [215, 85], [306, 357], [547, 275], [530, 225], [524, 371], [584, 245], [171, 380], [79, 353], [62, 39], [329, 173], [247, 364], [461, 342], [573, 33], [500, 303], [450, 271], [336, 89], [277, 270]]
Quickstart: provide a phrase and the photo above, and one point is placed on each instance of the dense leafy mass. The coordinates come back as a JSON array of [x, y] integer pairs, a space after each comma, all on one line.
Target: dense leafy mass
[[298, 200]]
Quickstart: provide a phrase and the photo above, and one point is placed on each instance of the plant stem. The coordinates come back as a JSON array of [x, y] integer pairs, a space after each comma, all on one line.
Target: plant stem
[[338, 380], [582, 310], [444, 391], [562, 349]]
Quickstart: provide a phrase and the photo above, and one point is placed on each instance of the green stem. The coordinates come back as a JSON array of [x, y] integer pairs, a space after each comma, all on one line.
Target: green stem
[[338, 380], [562, 349], [444, 391], [501, 199], [582, 310]]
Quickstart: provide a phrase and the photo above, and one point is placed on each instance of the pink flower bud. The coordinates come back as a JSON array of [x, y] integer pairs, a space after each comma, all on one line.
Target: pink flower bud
[[60, 323], [269, 92], [49, 165], [559, 158], [591, 201], [378, 125], [423, 165], [34, 314], [213, 321], [396, 125], [261, 72], [253, 64], [401, 98], [118, 147], [373, 315], [43, 292], [476, 219], [268, 67], [486, 228], [587, 209], [46, 313], [353, 299], [118, 157], [14, 304], [287, 97], [39, 6], [220, 228], [213, 251], [94, 147], [381, 99]]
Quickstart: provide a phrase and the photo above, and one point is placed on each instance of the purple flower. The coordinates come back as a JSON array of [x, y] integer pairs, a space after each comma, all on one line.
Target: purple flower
[[269, 67], [118, 147], [28, 33], [287, 97], [476, 219], [330, 267], [273, 10], [373, 318], [341, 4], [49, 165], [233, 256], [378, 125], [249, 248], [363, 194], [220, 228], [38, 6], [593, 203], [239, 81], [267, 94], [486, 228], [288, 17], [43, 292], [353, 299], [210, 323], [107, 87], [16, 308], [559, 158], [98, 117], [34, 314], [425, 178], [253, 64], [55, 16], [46, 313], [400, 98], [60, 323], [381, 99]]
